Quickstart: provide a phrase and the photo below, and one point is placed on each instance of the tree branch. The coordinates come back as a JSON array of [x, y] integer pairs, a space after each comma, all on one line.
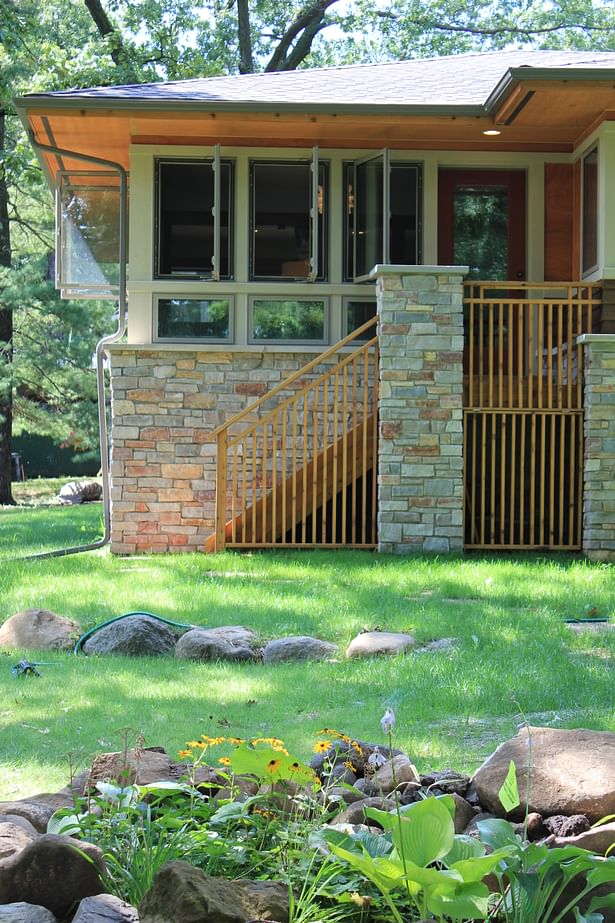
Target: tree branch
[[246, 60], [307, 19]]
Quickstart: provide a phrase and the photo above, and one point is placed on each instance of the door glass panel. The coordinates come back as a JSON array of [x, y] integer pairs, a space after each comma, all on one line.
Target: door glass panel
[[480, 230], [369, 208]]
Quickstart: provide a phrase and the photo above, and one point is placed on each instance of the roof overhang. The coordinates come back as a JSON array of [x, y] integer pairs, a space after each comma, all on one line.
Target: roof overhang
[[534, 109]]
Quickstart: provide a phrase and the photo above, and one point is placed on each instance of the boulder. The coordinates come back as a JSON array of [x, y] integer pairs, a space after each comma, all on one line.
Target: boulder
[[355, 753], [299, 647], [464, 813], [355, 813], [563, 826], [203, 644], [184, 894], [21, 912], [572, 772], [39, 630], [370, 643], [80, 492], [446, 781], [18, 821], [130, 767], [105, 908], [37, 809], [597, 839], [137, 635], [13, 839], [236, 634], [394, 773], [53, 872]]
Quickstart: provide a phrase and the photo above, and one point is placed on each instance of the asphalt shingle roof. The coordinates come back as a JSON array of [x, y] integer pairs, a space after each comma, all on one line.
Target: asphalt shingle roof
[[458, 80]]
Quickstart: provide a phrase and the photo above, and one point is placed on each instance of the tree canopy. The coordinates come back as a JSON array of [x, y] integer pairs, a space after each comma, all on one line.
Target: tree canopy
[[46, 346]]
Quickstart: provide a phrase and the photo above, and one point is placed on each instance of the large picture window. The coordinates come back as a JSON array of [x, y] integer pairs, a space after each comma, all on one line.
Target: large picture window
[[288, 220], [288, 321], [590, 211], [193, 219], [193, 319], [381, 213]]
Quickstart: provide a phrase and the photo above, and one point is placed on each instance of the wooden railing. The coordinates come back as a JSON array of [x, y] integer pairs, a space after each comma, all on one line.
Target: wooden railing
[[302, 473], [523, 412]]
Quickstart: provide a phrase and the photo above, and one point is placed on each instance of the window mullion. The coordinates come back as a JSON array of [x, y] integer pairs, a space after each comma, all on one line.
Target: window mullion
[[313, 274], [216, 212], [386, 207]]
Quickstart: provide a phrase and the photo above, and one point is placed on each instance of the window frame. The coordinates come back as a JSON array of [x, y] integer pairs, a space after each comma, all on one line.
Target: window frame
[[316, 273], [216, 162], [346, 300], [157, 297], [348, 249], [590, 270], [255, 341]]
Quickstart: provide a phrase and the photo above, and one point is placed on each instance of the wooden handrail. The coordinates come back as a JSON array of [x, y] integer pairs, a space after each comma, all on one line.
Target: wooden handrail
[[283, 385]]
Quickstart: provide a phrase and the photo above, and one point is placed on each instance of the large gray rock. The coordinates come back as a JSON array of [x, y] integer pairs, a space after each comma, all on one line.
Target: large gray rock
[[52, 871], [209, 644], [572, 772], [184, 894], [25, 913], [80, 492], [299, 647], [13, 839], [597, 839], [39, 630], [105, 908], [138, 635], [355, 812], [393, 773], [37, 809], [370, 643]]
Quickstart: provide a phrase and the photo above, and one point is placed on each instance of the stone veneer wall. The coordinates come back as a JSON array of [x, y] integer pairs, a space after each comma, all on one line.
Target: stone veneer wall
[[599, 460], [164, 404], [420, 469]]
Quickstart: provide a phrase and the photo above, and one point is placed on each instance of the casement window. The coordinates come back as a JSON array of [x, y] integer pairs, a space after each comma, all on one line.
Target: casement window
[[356, 312], [207, 319], [88, 205], [288, 219], [382, 212], [590, 212], [303, 321], [193, 218]]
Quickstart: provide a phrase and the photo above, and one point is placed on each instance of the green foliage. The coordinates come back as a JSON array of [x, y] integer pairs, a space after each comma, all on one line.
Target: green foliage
[[426, 868], [534, 879]]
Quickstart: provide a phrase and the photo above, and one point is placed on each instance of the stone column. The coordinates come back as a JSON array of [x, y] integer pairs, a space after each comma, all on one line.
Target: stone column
[[599, 454], [420, 458]]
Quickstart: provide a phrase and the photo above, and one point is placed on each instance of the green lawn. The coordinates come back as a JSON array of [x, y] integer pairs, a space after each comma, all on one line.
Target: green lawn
[[452, 708]]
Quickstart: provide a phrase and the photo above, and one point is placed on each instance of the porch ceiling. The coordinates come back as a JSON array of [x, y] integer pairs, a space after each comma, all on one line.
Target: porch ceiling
[[534, 115]]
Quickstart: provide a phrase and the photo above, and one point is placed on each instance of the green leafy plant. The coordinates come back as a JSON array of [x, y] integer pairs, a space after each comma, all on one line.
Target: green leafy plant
[[421, 862], [542, 885]]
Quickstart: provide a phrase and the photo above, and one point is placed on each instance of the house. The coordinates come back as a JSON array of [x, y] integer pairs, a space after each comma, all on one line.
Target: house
[[368, 306]]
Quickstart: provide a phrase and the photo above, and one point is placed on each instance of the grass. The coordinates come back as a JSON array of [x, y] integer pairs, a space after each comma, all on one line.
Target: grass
[[452, 708]]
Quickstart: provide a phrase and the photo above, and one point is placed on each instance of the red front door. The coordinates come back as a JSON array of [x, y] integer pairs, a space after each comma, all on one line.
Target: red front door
[[481, 222]]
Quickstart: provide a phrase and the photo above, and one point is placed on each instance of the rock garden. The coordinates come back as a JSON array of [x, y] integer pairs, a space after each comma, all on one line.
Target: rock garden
[[231, 830]]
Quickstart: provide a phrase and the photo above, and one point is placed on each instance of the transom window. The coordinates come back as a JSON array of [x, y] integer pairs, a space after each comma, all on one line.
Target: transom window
[[193, 218], [208, 319], [288, 220]]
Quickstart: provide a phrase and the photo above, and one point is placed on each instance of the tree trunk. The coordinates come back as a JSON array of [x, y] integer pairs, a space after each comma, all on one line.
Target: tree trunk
[[246, 61], [6, 344]]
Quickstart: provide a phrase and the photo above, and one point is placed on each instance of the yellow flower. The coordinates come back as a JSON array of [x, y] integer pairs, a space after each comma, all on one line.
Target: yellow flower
[[236, 741], [183, 753], [322, 746], [224, 761], [273, 766], [348, 765], [212, 741]]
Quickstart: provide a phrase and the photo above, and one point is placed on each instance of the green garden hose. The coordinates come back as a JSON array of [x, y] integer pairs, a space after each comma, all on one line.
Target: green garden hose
[[126, 615]]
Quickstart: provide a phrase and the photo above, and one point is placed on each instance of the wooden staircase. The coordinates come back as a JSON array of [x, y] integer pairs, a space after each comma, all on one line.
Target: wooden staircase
[[303, 474]]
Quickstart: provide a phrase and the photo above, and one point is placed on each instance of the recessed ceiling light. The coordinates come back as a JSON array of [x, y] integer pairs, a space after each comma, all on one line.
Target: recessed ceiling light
[[492, 131]]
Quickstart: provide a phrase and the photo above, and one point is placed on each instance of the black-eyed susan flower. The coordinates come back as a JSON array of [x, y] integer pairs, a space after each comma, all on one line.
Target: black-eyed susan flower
[[272, 766], [224, 761], [322, 746], [184, 753]]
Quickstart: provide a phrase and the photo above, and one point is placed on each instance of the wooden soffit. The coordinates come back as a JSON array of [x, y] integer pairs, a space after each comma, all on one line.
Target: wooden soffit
[[536, 115]]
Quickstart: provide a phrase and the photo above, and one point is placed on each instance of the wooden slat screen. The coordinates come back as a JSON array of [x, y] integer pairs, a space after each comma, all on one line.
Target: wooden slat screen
[[523, 413]]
